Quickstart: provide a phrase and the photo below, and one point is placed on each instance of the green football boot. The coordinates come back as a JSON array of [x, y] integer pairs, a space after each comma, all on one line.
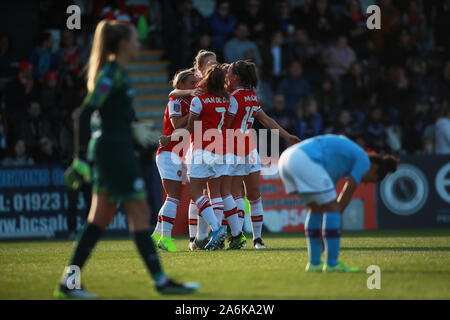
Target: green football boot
[[314, 267], [167, 244], [340, 267]]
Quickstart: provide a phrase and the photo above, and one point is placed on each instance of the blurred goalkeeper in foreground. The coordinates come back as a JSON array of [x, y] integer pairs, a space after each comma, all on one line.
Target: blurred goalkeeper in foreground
[[117, 176]]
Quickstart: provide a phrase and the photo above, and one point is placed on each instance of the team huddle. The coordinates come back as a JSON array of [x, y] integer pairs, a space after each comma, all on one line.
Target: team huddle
[[225, 106], [208, 138]]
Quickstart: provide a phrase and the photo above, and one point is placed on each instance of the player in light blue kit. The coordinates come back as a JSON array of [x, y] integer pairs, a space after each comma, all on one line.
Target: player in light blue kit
[[311, 170]]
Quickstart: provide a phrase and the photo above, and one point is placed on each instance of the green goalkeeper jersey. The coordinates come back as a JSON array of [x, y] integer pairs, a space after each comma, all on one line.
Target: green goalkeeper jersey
[[113, 99]]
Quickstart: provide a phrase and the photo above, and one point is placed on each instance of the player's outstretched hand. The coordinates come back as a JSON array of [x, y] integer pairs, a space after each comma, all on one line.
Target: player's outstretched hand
[[293, 140], [164, 141]]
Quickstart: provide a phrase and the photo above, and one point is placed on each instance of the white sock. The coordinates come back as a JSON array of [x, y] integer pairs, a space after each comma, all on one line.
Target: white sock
[[217, 205], [169, 213], [230, 213], [256, 210], [240, 203], [193, 219], [207, 212], [158, 228], [202, 229]]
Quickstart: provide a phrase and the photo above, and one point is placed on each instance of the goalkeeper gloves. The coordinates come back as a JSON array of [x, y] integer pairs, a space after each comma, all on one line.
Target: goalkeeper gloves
[[145, 134], [78, 172]]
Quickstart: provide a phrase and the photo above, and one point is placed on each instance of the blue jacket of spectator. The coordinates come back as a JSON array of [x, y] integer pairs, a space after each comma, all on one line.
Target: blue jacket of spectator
[[293, 89], [220, 29]]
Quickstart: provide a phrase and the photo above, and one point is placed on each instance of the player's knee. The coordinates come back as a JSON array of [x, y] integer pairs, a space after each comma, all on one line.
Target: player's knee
[[332, 206]]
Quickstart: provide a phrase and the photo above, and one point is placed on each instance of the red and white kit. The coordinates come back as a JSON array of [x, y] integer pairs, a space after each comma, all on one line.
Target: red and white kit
[[207, 155], [246, 157], [170, 164]]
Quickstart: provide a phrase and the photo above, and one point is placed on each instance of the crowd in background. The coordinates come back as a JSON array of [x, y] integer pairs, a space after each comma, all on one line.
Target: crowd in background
[[321, 69]]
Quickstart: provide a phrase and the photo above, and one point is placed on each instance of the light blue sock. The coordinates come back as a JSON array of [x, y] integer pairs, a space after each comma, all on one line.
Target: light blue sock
[[332, 235], [313, 232]]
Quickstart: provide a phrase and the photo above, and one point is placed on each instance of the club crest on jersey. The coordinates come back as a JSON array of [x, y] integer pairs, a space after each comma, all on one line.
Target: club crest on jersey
[[104, 86], [176, 107]]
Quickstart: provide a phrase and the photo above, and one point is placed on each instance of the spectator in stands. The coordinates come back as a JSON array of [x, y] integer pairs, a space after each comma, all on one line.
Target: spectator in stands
[[327, 100], [20, 157], [396, 96], [355, 87], [415, 22], [264, 91], [241, 48], [353, 24], [441, 27], [312, 119], [294, 87], [3, 136], [41, 57], [7, 61], [425, 87], [307, 52], [444, 83], [402, 51], [255, 20], [183, 32], [442, 130], [47, 154], [69, 56], [283, 18], [282, 115], [221, 24], [51, 99], [34, 127], [321, 24], [344, 125], [374, 132], [391, 20], [18, 94], [338, 58], [275, 57]]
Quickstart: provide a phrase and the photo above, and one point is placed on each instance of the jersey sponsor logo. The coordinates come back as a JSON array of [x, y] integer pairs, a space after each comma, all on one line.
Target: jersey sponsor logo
[[405, 191]]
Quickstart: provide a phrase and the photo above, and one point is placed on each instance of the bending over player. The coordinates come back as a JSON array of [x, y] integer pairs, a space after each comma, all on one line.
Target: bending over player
[[311, 170]]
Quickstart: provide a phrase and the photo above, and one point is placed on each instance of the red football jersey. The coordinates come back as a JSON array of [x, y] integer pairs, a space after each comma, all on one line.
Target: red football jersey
[[247, 106], [175, 108], [212, 112]]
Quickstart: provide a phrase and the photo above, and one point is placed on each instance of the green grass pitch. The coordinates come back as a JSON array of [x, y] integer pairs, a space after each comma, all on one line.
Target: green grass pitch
[[415, 264]]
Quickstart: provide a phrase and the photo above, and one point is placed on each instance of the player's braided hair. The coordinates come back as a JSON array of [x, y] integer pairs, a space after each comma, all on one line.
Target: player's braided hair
[[386, 164], [246, 71], [214, 81]]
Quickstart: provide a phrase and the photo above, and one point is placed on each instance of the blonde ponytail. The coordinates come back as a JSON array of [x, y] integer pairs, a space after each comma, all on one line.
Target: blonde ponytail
[[107, 37]]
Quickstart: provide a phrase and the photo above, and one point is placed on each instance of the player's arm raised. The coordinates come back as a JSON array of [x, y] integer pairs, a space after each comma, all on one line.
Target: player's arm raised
[[180, 93], [269, 123]]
